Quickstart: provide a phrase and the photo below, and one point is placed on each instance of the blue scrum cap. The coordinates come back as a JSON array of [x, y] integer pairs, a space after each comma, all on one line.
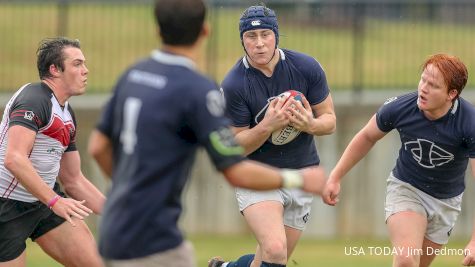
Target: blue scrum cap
[[259, 17]]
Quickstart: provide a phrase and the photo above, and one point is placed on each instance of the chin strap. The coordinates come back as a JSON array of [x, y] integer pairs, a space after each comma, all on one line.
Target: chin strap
[[248, 56]]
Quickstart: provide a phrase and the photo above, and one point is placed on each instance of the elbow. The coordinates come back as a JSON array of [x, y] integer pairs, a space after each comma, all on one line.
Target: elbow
[[98, 145], [234, 176], [11, 161], [332, 125], [69, 184], [231, 177], [332, 129], [93, 151]]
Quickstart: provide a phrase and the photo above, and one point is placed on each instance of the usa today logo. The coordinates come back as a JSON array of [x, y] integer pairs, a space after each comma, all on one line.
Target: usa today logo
[[405, 251]]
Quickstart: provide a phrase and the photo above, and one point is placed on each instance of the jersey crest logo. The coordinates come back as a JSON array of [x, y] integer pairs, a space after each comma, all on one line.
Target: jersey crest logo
[[428, 154], [29, 115]]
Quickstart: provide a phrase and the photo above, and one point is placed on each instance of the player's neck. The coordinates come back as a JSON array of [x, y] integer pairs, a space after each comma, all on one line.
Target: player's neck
[[59, 94], [268, 68], [435, 114], [185, 51]]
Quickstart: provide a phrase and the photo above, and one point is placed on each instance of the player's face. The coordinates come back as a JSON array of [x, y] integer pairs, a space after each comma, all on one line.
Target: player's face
[[433, 94], [74, 74], [259, 45]]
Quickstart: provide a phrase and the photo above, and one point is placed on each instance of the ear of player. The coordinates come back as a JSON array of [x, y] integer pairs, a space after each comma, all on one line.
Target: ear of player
[[287, 134]]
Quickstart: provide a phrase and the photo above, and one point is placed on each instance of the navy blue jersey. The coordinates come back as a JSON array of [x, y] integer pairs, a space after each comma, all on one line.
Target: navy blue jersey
[[248, 91], [161, 111], [434, 153]]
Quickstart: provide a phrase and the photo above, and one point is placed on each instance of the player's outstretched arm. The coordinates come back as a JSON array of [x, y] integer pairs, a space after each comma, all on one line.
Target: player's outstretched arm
[[77, 185], [100, 148], [356, 150], [20, 144], [469, 259], [258, 176]]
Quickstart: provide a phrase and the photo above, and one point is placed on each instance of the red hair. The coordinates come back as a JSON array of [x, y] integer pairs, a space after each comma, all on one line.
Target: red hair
[[452, 69]]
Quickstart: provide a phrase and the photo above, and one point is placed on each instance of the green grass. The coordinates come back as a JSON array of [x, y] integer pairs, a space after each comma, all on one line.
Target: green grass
[[309, 252], [115, 35]]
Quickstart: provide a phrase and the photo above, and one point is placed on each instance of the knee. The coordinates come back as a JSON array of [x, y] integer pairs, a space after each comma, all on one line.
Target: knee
[[275, 251], [406, 261], [88, 259]]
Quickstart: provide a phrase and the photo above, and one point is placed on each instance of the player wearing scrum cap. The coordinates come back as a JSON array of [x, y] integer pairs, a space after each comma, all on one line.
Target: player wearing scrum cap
[[161, 111], [277, 218]]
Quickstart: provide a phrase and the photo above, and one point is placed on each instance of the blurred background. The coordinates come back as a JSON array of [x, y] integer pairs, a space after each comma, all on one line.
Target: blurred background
[[370, 50]]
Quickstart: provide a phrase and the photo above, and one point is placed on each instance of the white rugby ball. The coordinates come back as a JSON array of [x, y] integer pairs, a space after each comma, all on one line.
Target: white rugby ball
[[289, 133]]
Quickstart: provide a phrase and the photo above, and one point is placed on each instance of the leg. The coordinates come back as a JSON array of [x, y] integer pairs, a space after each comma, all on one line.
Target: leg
[[266, 222], [20, 261], [71, 246], [293, 236], [263, 212], [426, 260], [181, 256], [406, 231]]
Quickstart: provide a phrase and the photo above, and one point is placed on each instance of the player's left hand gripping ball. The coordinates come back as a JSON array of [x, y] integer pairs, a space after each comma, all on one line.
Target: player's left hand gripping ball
[[288, 133]]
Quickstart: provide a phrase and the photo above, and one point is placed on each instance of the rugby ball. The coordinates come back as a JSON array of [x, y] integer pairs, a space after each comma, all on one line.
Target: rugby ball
[[287, 134]]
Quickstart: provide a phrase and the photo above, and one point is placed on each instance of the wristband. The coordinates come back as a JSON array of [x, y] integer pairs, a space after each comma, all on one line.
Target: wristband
[[53, 201], [291, 178]]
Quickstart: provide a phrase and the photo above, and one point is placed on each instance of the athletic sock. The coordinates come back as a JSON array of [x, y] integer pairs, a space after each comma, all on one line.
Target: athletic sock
[[243, 261], [266, 264]]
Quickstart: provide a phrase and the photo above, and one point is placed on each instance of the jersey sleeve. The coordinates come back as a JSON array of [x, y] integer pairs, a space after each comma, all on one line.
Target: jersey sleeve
[[468, 127], [72, 145], [471, 145], [30, 109], [211, 127], [106, 121], [318, 85], [236, 108], [104, 124], [385, 117]]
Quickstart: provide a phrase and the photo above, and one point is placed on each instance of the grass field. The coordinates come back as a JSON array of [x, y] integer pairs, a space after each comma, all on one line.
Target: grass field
[[113, 36], [309, 253]]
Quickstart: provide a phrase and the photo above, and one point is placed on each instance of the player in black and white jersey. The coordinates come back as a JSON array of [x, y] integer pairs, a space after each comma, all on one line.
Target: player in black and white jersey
[[37, 147], [424, 190], [161, 112]]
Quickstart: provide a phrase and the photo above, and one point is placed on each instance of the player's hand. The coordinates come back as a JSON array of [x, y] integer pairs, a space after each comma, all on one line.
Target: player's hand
[[275, 117], [68, 208], [331, 191], [300, 113], [469, 259], [314, 179]]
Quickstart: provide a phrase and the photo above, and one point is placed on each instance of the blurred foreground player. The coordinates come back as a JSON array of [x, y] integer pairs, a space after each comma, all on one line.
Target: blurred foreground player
[[161, 111]]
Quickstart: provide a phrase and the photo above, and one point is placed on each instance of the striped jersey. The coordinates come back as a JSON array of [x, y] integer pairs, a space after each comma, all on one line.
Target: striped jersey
[[35, 107]]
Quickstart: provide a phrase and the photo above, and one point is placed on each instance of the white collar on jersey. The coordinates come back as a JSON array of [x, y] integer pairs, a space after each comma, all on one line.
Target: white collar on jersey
[[455, 107], [246, 64], [171, 59]]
